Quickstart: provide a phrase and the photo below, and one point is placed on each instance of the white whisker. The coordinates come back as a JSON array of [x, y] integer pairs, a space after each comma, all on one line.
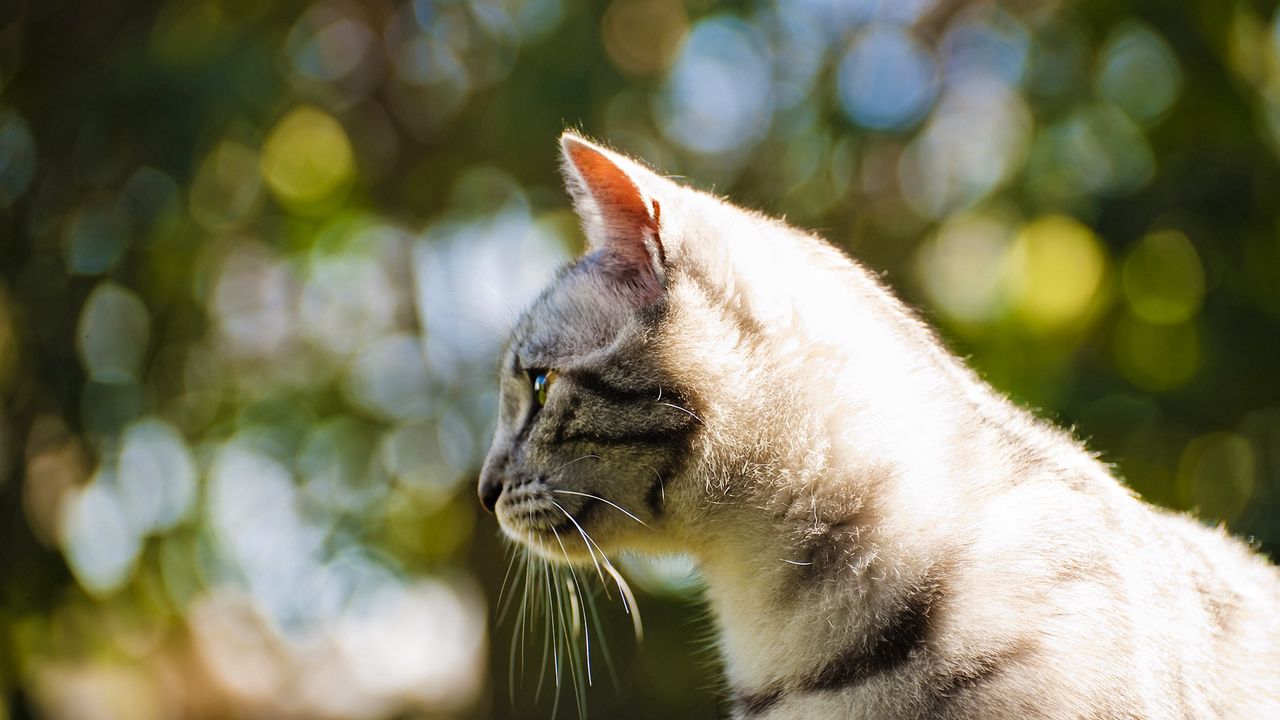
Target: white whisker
[[662, 485], [503, 607], [579, 692], [586, 539], [547, 635], [625, 589], [685, 410], [574, 575], [628, 598], [620, 509], [584, 457]]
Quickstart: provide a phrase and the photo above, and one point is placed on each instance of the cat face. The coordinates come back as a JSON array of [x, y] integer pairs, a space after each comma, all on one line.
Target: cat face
[[592, 426]]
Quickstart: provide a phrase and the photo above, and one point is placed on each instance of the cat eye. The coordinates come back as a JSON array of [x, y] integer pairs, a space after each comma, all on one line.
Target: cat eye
[[542, 380]]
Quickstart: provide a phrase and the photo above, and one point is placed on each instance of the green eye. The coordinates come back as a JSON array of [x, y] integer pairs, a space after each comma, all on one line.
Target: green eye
[[541, 384]]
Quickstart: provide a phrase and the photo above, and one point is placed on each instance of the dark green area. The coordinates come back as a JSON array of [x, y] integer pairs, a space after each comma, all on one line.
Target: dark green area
[[228, 178]]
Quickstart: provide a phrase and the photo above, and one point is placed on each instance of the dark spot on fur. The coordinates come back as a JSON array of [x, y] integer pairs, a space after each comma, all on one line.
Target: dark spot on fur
[[1095, 569], [1220, 608], [596, 384], [830, 550], [888, 650], [892, 646], [751, 704], [662, 477], [750, 330], [832, 542], [1219, 601], [656, 497], [980, 669]]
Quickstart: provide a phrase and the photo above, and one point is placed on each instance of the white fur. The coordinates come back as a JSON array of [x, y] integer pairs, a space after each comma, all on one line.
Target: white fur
[[834, 425]]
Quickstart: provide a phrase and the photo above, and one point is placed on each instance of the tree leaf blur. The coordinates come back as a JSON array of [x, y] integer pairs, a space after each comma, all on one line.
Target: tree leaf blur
[[257, 260]]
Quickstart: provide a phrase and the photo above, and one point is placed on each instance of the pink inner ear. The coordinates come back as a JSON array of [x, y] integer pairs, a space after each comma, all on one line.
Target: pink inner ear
[[623, 211]]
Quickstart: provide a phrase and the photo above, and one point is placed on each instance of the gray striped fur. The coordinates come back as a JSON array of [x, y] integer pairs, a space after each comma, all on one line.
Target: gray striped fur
[[882, 535]]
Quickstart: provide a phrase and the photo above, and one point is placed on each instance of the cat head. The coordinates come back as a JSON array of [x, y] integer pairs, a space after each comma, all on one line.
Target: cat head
[[594, 425], [664, 382]]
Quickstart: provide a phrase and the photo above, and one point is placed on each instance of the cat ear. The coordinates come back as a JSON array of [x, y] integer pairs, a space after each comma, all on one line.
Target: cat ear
[[619, 217]]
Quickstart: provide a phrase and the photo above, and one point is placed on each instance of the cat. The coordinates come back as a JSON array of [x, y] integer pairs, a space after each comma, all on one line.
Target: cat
[[881, 534]]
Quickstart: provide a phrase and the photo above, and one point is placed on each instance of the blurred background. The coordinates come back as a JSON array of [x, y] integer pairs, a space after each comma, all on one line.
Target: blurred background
[[257, 258]]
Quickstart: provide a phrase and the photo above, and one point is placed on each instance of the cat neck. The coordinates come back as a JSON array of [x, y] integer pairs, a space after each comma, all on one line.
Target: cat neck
[[853, 493], [848, 445], [820, 559]]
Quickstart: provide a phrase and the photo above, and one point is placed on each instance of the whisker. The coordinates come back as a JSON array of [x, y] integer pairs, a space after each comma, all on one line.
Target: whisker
[[584, 457], [578, 608], [503, 608], [685, 410], [547, 636], [553, 615], [519, 630], [578, 611], [574, 666], [512, 314], [585, 539], [574, 575], [479, 281], [621, 509], [604, 640], [574, 661], [625, 589], [628, 599], [662, 485], [568, 609]]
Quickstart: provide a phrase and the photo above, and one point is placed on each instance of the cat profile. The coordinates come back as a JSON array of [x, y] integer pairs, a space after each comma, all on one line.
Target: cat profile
[[882, 535]]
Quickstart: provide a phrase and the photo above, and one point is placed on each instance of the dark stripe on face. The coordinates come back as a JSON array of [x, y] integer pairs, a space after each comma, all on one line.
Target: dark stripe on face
[[659, 437], [526, 426], [752, 704], [657, 424], [595, 384]]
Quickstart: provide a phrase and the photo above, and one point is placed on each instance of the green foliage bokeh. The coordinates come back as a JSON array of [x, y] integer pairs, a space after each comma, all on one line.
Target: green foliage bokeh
[[256, 259]]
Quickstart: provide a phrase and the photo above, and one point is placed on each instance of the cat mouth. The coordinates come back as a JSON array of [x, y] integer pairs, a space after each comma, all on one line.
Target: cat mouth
[[530, 515]]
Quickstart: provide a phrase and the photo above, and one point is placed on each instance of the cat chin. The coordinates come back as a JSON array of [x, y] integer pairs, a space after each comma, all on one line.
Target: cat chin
[[536, 529], [573, 553], [554, 545]]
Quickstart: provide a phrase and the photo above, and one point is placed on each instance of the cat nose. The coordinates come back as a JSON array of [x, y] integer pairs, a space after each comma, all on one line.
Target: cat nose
[[490, 489]]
